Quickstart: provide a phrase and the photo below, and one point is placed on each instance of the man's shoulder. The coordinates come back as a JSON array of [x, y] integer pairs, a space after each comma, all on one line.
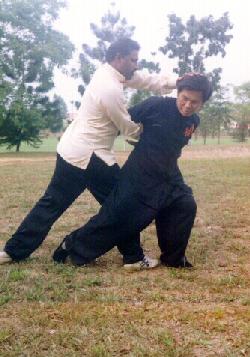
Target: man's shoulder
[[105, 75], [104, 84], [154, 100], [157, 103], [196, 119], [167, 103], [170, 101]]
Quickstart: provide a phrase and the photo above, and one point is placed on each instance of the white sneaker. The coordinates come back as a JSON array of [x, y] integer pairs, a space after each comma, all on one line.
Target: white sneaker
[[4, 258], [145, 263]]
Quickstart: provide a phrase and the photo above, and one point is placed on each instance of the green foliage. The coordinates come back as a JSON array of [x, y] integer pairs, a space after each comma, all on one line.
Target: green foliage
[[242, 93], [21, 123], [195, 41], [216, 114], [150, 65], [242, 112], [54, 114], [30, 49], [138, 97], [192, 43], [112, 27]]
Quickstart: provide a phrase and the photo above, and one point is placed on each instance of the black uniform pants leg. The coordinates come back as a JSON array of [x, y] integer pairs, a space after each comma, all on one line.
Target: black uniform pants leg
[[130, 249], [121, 218], [173, 225], [101, 181], [67, 183]]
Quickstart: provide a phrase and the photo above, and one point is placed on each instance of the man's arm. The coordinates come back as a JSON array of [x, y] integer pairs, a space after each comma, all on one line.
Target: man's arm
[[157, 83], [143, 111], [114, 105]]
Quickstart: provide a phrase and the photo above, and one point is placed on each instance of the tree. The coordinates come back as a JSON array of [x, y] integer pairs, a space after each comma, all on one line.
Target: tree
[[22, 123], [221, 109], [215, 114], [242, 111], [55, 113], [5, 90], [206, 116], [30, 49], [112, 27], [192, 43]]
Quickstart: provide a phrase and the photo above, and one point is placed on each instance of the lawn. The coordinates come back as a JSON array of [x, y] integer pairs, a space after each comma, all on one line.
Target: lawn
[[49, 144], [101, 310]]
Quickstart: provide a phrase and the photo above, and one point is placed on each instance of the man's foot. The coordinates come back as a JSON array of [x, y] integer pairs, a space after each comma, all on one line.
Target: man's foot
[[60, 254], [182, 263], [145, 263], [5, 258]]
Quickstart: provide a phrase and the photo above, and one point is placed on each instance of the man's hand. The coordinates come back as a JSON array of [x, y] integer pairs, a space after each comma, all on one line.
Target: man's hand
[[132, 141], [189, 74]]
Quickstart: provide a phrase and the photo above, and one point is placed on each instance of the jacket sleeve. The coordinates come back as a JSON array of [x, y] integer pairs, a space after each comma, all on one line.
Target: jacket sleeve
[[114, 105], [157, 83], [144, 111]]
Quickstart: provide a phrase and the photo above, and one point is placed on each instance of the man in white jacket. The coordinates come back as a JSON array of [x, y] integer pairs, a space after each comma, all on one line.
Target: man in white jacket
[[85, 157]]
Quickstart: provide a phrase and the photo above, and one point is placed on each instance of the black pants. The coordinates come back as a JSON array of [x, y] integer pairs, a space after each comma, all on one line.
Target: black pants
[[123, 215], [67, 183]]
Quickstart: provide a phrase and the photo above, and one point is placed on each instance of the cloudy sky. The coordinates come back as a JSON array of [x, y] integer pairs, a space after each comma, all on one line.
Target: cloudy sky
[[150, 19]]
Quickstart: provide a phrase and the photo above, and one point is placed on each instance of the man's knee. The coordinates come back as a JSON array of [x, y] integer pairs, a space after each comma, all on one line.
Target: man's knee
[[52, 201], [188, 205]]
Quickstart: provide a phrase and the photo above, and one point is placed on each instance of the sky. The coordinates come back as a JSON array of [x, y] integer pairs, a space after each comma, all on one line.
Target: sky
[[150, 19]]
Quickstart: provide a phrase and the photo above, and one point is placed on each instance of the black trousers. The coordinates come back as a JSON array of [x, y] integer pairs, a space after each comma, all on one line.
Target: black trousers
[[67, 183], [124, 215]]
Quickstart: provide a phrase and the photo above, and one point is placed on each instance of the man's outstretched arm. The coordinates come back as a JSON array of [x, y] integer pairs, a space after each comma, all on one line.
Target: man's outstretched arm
[[157, 83]]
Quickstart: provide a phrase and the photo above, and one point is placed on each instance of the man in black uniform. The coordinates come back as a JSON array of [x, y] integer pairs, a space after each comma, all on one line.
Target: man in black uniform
[[150, 186]]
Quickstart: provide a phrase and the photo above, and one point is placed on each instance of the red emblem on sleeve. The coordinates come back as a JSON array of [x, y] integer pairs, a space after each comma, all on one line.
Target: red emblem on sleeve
[[189, 131]]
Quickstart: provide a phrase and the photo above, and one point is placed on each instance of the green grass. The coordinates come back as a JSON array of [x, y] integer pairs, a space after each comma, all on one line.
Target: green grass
[[101, 310], [49, 145], [224, 141]]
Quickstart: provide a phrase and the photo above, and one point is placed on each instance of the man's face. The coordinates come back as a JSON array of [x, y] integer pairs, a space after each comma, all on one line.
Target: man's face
[[189, 102], [128, 64]]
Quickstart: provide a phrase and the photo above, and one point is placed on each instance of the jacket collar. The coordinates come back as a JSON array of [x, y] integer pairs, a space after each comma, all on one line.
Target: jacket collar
[[116, 74]]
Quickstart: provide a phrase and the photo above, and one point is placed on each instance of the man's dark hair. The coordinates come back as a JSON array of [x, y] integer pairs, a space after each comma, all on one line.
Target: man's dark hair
[[195, 81], [122, 47]]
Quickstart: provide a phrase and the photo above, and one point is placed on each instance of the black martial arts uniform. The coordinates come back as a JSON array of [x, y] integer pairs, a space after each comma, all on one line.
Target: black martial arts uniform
[[150, 187], [67, 183]]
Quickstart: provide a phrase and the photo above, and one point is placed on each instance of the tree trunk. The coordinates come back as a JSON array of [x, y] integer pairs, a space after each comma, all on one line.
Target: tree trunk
[[18, 147], [218, 142], [205, 137]]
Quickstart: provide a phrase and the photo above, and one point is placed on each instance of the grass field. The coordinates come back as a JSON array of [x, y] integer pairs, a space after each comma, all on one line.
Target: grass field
[[49, 144], [49, 310]]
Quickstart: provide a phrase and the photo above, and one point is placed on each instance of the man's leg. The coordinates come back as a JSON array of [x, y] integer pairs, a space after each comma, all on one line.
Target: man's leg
[[174, 224], [67, 183], [101, 181], [122, 216]]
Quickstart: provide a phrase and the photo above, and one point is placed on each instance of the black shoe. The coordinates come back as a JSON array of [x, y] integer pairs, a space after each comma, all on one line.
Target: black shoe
[[182, 263], [60, 254]]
